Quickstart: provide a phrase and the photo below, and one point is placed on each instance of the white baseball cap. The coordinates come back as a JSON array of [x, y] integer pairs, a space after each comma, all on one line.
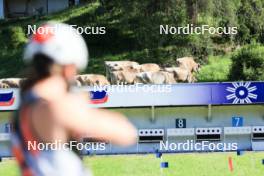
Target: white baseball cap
[[60, 42]]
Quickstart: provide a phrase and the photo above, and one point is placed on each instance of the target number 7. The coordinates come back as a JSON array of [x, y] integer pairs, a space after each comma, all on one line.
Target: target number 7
[[237, 121]]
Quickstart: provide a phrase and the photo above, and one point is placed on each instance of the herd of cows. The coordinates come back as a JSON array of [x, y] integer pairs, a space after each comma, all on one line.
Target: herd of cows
[[130, 72]]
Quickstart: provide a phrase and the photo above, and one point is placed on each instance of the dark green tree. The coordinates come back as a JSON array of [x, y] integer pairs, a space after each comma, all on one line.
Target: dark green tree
[[251, 23], [248, 64]]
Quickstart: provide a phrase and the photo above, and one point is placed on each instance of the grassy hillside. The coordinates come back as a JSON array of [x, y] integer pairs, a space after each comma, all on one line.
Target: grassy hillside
[[13, 36], [117, 44], [217, 69], [132, 34]]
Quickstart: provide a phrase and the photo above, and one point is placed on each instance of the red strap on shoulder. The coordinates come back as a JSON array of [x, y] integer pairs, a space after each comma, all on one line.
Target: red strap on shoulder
[[25, 129]]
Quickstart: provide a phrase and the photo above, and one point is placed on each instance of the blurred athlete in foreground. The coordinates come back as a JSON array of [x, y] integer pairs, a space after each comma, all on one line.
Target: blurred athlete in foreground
[[49, 112]]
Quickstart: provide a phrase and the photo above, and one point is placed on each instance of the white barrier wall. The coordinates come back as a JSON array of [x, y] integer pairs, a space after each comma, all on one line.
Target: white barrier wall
[[197, 117], [166, 119]]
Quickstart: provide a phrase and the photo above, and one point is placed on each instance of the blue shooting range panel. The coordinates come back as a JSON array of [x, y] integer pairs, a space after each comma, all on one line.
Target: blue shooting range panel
[[178, 94], [220, 93], [237, 121], [238, 93], [164, 164], [189, 94], [263, 161]]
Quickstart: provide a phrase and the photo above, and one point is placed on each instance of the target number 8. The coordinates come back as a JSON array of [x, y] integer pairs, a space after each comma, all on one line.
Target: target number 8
[[180, 123]]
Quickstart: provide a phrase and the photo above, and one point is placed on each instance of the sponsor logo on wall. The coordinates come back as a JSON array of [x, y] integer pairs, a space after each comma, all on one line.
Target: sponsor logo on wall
[[7, 98]]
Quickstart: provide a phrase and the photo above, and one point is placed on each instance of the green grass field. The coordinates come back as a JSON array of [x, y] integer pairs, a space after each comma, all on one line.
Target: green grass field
[[210, 164]]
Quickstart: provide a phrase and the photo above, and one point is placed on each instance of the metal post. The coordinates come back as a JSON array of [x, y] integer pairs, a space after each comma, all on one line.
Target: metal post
[[209, 116], [152, 113], [137, 146]]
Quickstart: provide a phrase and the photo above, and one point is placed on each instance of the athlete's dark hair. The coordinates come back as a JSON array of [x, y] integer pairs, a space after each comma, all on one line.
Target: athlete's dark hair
[[39, 69]]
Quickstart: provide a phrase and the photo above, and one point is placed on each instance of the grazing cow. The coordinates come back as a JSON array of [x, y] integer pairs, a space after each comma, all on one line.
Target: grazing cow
[[147, 78], [111, 66], [188, 63], [170, 79], [119, 65], [181, 74], [142, 78], [92, 80], [12, 82], [124, 76], [77, 83], [135, 68], [4, 86], [149, 67], [159, 77]]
